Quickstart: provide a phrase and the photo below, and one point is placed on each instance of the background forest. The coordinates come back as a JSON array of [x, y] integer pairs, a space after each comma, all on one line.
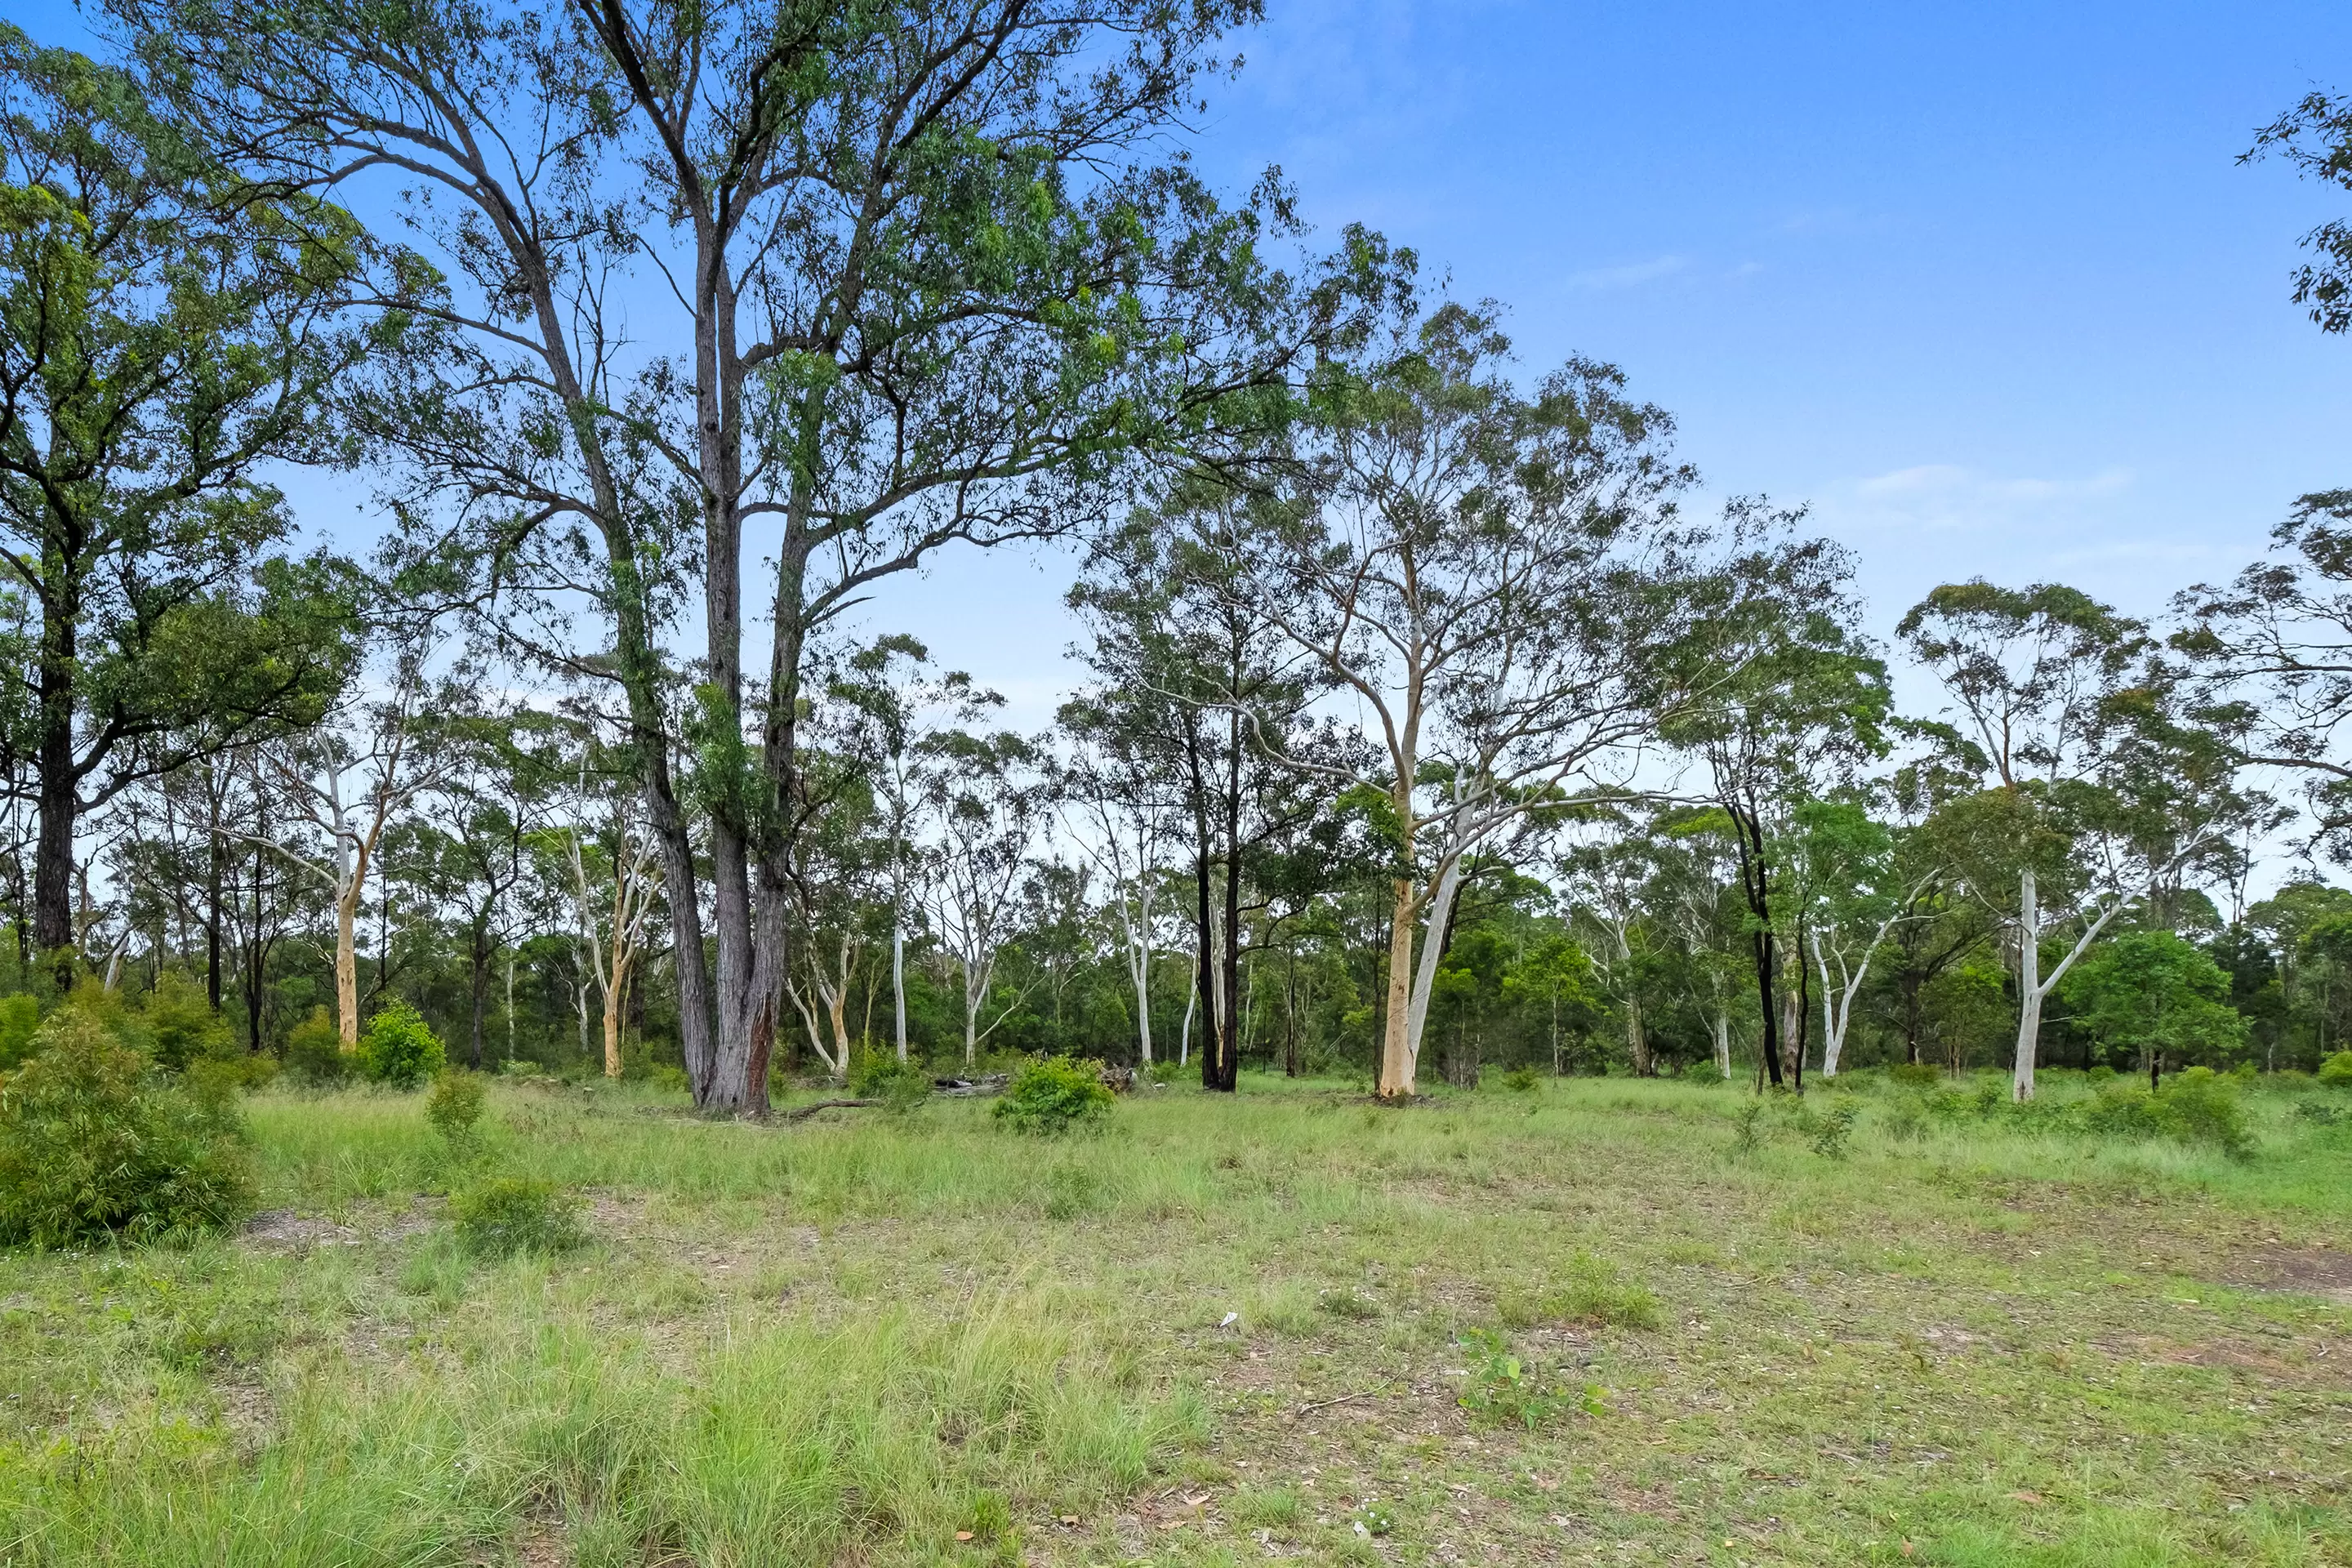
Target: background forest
[[1429, 731]]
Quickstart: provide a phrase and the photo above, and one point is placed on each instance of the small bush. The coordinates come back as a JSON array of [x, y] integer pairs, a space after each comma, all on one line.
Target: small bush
[[2198, 1105], [94, 1141], [2335, 1071], [1829, 1131], [1053, 1094], [1918, 1075], [1164, 1072], [455, 1106], [899, 1086], [1503, 1389], [20, 1017], [504, 1216], [314, 1052], [667, 1077], [1521, 1080], [180, 1022], [398, 1049], [2202, 1105]]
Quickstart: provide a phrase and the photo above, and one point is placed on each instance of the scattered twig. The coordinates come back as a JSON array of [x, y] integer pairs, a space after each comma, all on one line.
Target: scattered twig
[[1328, 1404]]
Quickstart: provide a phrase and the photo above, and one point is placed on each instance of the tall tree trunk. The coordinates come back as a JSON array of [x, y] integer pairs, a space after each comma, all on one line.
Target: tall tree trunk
[[1396, 1079], [2028, 987], [481, 992], [898, 985], [347, 964]]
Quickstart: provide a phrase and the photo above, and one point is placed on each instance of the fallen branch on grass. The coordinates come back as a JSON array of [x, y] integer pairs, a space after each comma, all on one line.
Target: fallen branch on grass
[[1328, 1404], [803, 1113]]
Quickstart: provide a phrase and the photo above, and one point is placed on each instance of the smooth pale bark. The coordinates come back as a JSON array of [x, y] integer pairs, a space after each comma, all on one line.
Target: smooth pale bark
[[2031, 986], [1425, 982], [1723, 1044], [899, 986], [1184, 1035], [1396, 1043]]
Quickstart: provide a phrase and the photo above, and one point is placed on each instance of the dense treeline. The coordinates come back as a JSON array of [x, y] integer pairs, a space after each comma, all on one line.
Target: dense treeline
[[1425, 732]]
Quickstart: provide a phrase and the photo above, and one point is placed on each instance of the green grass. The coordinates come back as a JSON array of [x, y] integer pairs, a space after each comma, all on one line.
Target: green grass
[[858, 1337]]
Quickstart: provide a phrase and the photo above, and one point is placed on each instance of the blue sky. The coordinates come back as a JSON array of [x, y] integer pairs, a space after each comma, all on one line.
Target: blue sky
[[1982, 284]]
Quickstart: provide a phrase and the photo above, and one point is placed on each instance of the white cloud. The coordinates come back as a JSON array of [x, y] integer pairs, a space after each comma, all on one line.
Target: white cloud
[[1631, 276], [1946, 497]]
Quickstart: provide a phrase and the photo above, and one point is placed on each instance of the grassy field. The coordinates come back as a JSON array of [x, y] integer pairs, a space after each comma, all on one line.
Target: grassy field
[[1591, 1322]]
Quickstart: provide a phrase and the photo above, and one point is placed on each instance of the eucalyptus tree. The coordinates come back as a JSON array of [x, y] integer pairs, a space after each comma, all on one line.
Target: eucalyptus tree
[[1798, 703], [989, 802], [161, 344], [1854, 894], [494, 775], [349, 780], [1196, 692], [2316, 138], [2109, 782], [886, 705], [848, 284], [1488, 578]]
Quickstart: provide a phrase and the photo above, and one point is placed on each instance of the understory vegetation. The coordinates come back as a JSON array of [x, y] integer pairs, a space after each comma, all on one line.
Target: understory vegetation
[[1587, 1321]]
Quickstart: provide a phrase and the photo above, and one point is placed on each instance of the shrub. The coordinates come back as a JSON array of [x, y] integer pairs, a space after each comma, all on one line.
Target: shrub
[[1502, 1388], [314, 1050], [664, 1076], [2335, 1071], [899, 1086], [1521, 1080], [94, 1141], [2202, 1105], [2198, 1105], [1164, 1072], [1053, 1094], [503, 1216], [1829, 1131], [398, 1049], [455, 1106], [19, 1017], [181, 1025], [1918, 1075]]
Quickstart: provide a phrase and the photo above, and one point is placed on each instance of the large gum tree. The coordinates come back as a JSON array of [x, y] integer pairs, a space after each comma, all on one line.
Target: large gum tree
[[807, 290], [165, 338]]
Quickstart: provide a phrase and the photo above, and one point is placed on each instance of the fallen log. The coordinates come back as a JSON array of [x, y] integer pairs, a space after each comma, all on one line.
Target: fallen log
[[803, 1113]]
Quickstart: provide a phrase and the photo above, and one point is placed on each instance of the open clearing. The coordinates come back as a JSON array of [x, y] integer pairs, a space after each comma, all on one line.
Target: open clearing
[[1220, 1331]]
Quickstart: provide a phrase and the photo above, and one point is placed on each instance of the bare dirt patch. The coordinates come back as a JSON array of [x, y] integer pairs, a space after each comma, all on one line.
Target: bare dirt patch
[[2319, 1271]]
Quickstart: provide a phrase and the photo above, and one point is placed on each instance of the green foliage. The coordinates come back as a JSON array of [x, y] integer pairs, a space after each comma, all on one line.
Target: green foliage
[[1917, 1075], [2151, 991], [94, 1140], [1164, 1072], [455, 1106], [900, 1086], [314, 1052], [1521, 1080], [1591, 1291], [1828, 1131], [398, 1049], [2335, 1071], [20, 1017], [182, 1026], [1052, 1095], [2198, 1107], [1503, 1390], [505, 1216]]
